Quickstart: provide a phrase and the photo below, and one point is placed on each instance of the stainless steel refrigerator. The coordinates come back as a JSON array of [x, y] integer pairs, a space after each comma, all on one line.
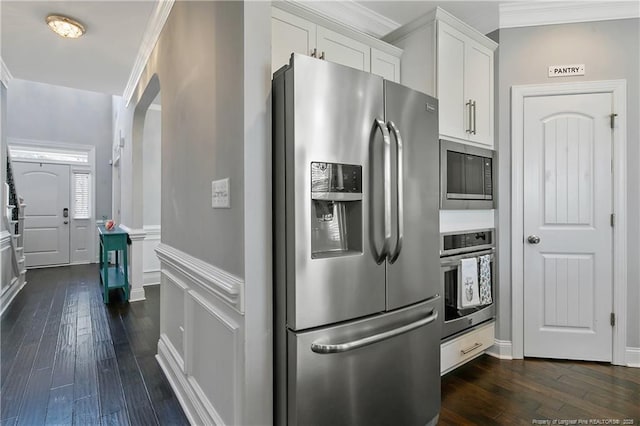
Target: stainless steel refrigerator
[[356, 233]]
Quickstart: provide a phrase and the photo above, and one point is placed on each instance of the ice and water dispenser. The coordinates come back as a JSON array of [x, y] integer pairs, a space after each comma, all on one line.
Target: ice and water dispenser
[[336, 210]]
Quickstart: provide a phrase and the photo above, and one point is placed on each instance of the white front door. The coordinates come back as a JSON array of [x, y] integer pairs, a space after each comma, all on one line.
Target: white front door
[[45, 189], [568, 282]]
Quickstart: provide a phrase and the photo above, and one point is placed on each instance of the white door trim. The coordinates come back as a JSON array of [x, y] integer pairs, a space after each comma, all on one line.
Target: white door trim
[[90, 166], [518, 94]]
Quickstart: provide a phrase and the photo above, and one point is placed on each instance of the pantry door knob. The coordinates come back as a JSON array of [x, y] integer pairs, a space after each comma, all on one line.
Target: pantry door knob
[[533, 239]]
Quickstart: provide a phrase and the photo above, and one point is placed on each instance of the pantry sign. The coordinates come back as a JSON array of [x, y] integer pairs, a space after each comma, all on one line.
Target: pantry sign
[[566, 70]]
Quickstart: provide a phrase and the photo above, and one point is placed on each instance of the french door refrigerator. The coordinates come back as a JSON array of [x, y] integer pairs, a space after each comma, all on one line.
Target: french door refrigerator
[[356, 233]]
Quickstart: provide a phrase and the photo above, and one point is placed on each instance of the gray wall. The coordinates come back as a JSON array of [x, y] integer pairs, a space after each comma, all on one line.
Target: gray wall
[[202, 131], [610, 51], [151, 172], [44, 112]]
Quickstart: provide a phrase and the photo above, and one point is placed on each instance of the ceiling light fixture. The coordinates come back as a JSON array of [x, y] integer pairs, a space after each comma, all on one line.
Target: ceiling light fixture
[[65, 26]]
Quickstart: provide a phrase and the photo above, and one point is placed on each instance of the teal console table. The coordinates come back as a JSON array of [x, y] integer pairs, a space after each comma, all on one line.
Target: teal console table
[[113, 276]]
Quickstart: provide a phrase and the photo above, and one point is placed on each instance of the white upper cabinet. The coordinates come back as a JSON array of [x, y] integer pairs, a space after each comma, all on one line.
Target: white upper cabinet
[[331, 42], [335, 47], [289, 34], [385, 65], [446, 58], [464, 86]]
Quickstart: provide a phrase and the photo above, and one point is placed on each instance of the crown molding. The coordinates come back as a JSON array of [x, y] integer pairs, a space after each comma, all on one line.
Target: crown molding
[[439, 14], [149, 40], [350, 13], [527, 14], [5, 74]]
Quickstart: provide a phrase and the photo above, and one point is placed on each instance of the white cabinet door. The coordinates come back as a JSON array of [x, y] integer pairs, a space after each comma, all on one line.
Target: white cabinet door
[[465, 86], [479, 87], [454, 116], [385, 65], [289, 34], [343, 50]]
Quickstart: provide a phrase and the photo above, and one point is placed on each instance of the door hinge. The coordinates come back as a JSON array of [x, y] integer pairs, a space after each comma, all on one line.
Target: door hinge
[[613, 319], [613, 219], [613, 119]]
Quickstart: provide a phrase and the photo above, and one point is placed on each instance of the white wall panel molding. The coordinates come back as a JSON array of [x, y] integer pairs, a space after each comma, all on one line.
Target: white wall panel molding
[[501, 349], [149, 39], [9, 293], [5, 74], [633, 357], [151, 263], [136, 263], [151, 278], [218, 282], [5, 240], [527, 14], [351, 13], [217, 389], [152, 232], [193, 409], [173, 308]]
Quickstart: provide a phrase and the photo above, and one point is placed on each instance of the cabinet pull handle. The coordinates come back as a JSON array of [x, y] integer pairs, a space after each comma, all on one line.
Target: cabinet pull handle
[[468, 105], [322, 56], [470, 349], [314, 53], [473, 105]]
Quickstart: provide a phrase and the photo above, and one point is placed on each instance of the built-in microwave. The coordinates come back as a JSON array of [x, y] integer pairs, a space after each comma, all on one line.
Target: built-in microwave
[[466, 177]]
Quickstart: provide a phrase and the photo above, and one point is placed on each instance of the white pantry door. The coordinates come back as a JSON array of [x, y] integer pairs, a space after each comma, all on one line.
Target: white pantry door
[[45, 189], [568, 280]]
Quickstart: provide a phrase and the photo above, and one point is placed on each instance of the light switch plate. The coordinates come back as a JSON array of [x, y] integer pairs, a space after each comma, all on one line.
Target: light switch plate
[[220, 198]]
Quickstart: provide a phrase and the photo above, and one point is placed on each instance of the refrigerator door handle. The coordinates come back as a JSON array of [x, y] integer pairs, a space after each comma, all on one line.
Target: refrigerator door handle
[[331, 348], [393, 129], [379, 255]]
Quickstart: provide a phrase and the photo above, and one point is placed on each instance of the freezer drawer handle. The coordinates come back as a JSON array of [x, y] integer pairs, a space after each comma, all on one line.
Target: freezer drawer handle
[[328, 348]]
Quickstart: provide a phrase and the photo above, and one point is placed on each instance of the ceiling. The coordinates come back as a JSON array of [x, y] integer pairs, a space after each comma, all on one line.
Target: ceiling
[[103, 58], [100, 61]]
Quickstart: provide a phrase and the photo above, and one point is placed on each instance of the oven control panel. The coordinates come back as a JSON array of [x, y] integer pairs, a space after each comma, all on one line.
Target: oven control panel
[[463, 242]]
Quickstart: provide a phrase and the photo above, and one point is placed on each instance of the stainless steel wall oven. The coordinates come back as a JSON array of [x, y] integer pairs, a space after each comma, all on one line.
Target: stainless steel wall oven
[[467, 302]]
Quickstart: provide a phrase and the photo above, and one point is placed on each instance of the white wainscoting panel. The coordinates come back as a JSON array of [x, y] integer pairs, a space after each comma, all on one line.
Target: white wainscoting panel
[[150, 261], [172, 308], [201, 338], [213, 357], [10, 285]]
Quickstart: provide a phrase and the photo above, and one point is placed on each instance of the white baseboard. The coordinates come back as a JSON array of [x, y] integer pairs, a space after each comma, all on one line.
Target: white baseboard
[[137, 295], [191, 405], [501, 349], [151, 278], [12, 291], [632, 357]]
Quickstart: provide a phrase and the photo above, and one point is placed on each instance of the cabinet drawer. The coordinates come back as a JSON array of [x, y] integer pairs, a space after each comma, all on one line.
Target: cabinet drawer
[[466, 347]]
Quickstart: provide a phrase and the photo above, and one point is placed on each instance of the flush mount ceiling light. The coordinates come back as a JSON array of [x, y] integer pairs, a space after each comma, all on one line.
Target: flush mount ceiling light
[[65, 26]]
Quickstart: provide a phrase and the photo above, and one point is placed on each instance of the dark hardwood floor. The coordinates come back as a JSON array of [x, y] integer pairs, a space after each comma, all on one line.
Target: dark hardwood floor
[[489, 391], [67, 358]]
